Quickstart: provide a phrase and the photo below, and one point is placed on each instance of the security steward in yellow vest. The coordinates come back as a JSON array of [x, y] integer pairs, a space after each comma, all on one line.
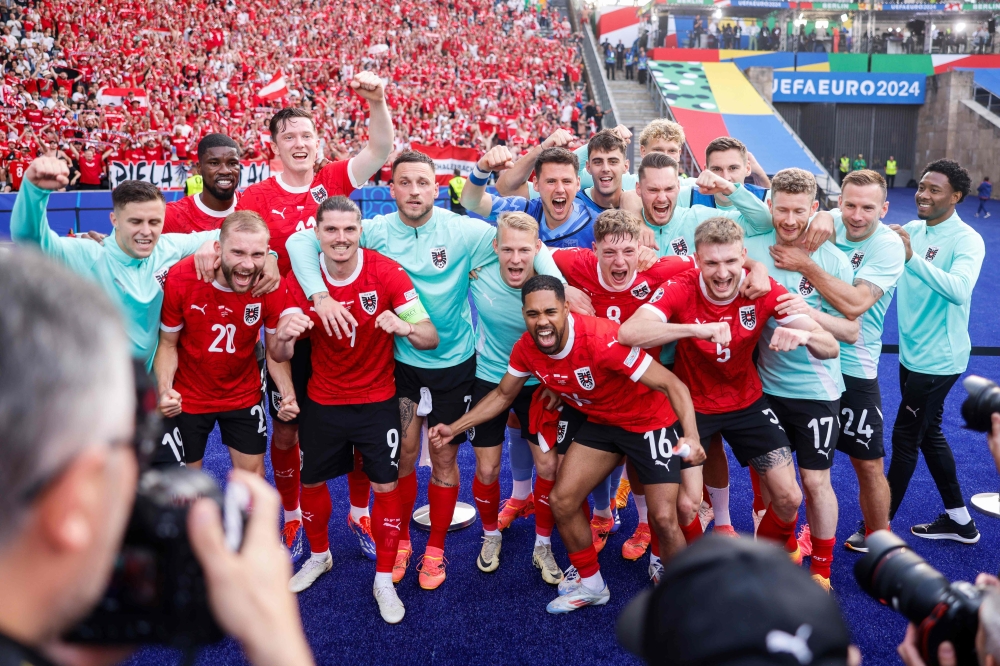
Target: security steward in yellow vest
[[455, 186], [890, 172]]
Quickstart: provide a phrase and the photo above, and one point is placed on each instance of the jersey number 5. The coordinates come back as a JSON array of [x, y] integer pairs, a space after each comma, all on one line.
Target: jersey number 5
[[723, 352]]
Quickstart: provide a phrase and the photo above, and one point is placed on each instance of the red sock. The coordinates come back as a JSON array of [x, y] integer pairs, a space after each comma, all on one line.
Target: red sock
[[775, 529], [868, 530], [407, 498], [758, 499], [287, 463], [822, 556], [442, 501], [588, 514], [487, 498], [692, 531], [544, 520], [705, 496], [316, 510], [386, 518], [585, 561], [654, 543], [358, 484]]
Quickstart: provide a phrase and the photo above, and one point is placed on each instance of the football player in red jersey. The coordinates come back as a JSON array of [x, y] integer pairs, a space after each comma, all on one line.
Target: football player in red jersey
[[288, 202], [351, 400], [580, 358], [717, 329], [205, 365], [219, 165]]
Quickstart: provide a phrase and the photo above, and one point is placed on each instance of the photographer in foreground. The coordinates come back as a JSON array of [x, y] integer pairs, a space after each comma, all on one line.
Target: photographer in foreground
[[68, 482]]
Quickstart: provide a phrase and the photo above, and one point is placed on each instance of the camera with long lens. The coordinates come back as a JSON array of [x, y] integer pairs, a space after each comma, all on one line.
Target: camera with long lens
[[940, 609], [983, 400], [157, 593]]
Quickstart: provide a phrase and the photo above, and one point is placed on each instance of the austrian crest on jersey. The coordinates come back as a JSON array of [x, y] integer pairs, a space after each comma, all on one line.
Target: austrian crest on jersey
[[319, 194], [856, 259], [369, 301], [585, 377], [932, 251], [251, 314], [641, 291], [439, 257], [679, 246], [748, 317], [805, 286]]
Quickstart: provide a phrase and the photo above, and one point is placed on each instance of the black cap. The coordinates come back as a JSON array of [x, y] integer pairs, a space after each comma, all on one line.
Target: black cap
[[734, 602]]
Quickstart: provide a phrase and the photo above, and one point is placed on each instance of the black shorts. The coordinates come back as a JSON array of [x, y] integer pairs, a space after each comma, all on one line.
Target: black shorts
[[170, 452], [812, 429], [244, 430], [494, 431], [450, 390], [301, 371], [570, 420], [751, 432], [329, 435], [861, 419], [654, 463]]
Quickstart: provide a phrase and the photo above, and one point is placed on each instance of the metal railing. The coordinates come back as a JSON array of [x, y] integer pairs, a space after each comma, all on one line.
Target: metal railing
[[598, 81], [689, 163]]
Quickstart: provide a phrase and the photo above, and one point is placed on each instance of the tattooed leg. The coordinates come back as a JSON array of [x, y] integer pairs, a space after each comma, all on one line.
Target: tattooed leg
[[777, 475], [410, 445]]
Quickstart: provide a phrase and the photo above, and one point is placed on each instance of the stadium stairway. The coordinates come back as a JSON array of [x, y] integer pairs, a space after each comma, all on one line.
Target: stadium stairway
[[633, 102]]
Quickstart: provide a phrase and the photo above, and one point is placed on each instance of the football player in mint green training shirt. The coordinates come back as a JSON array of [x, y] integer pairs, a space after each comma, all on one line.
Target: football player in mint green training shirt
[[943, 258], [803, 391], [876, 256], [438, 249]]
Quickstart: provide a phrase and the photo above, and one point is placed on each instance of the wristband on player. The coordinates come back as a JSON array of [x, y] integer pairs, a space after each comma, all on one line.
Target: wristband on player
[[273, 253], [479, 177]]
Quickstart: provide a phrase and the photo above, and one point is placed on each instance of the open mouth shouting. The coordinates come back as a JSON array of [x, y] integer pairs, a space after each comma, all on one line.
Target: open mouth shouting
[[546, 337], [560, 206]]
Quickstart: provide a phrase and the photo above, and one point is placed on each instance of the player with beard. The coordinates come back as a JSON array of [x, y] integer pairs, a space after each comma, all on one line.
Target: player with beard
[[624, 394], [288, 203], [496, 293], [877, 258], [803, 391], [715, 360], [219, 164], [205, 366], [350, 405], [438, 249]]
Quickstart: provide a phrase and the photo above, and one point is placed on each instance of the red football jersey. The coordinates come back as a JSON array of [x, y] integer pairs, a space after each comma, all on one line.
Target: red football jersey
[[721, 379], [598, 375], [17, 169], [579, 267], [359, 369], [217, 370], [289, 209], [189, 214]]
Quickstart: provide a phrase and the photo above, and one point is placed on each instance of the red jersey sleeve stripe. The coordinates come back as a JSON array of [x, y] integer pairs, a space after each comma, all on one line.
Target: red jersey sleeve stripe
[[641, 370], [653, 308], [170, 329], [290, 311], [350, 175], [789, 318], [517, 373]]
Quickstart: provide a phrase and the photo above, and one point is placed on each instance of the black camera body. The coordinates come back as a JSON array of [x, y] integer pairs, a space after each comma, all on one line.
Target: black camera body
[[941, 610], [983, 400]]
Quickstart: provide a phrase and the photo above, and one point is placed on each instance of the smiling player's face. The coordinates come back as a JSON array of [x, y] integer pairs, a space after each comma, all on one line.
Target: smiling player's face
[[721, 267]]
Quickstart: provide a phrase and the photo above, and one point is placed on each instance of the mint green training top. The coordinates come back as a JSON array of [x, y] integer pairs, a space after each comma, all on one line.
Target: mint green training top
[[134, 285]]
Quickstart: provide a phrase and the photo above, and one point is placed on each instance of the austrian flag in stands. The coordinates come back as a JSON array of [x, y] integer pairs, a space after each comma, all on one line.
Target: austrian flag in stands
[[448, 158], [276, 89]]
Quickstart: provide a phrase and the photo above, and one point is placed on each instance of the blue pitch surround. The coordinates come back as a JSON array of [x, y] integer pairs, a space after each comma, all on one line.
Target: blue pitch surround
[[500, 617]]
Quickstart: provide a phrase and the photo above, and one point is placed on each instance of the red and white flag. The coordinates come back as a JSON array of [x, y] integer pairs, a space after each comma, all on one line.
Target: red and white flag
[[449, 158], [276, 89]]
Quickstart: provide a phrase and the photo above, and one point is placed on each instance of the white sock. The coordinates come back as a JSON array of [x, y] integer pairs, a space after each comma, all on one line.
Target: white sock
[[654, 559], [625, 473], [960, 515], [603, 513], [720, 504], [357, 513], [491, 532], [521, 489], [324, 556], [640, 507], [594, 583], [383, 579], [543, 540], [293, 515]]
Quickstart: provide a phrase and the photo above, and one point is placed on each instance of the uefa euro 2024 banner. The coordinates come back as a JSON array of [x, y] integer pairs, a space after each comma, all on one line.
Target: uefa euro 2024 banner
[[848, 87], [168, 175]]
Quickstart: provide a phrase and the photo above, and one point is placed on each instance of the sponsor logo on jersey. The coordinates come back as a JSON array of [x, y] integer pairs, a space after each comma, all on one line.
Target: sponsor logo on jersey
[[657, 295], [932, 251], [748, 317], [410, 295], [856, 259], [439, 257], [369, 301], [632, 357], [679, 246], [585, 377], [318, 194], [224, 311], [161, 275], [805, 287], [641, 291], [251, 314], [561, 429]]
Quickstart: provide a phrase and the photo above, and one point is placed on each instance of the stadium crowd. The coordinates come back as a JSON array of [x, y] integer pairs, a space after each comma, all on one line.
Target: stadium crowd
[[468, 73]]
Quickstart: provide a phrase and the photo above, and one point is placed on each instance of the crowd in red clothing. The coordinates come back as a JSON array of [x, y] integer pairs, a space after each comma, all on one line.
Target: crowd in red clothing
[[464, 72]]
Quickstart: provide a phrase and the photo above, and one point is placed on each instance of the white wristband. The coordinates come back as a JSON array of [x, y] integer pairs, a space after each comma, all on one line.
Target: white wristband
[[479, 173]]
